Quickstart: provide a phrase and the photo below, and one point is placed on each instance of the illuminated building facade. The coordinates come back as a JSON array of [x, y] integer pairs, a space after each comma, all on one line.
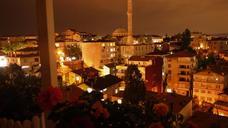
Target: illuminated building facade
[[149, 67], [97, 54], [3, 60], [208, 84], [199, 43], [179, 68], [221, 105], [26, 57], [217, 45]]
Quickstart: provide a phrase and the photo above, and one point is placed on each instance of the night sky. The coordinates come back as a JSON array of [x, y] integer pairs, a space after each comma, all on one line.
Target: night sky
[[103, 16]]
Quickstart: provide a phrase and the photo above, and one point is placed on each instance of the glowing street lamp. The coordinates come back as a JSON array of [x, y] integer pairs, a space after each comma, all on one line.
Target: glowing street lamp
[[89, 90], [119, 101]]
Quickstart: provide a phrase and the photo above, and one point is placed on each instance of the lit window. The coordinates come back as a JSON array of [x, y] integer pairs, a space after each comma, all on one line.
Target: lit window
[[89, 90], [57, 45], [116, 91], [112, 55]]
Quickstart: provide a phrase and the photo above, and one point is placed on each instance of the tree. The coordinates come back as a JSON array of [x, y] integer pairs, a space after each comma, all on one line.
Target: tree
[[10, 49], [167, 38], [186, 39], [74, 51], [18, 93], [135, 87]]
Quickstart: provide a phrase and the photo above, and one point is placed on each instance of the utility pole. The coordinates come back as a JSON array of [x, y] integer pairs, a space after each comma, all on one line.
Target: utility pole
[[46, 41]]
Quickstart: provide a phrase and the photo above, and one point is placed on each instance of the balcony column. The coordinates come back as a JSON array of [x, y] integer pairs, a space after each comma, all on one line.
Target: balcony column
[[46, 41]]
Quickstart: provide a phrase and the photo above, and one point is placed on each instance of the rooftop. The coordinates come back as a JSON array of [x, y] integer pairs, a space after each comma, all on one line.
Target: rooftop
[[85, 71], [101, 83], [110, 65], [208, 72], [141, 58], [183, 53], [208, 120], [158, 53], [177, 101]]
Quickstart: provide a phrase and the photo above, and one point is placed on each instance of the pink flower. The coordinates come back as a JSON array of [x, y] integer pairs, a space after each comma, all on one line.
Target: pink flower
[[161, 109], [47, 99]]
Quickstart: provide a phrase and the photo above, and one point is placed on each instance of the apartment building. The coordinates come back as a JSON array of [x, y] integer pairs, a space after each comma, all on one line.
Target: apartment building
[[150, 68], [208, 84], [97, 54], [179, 68]]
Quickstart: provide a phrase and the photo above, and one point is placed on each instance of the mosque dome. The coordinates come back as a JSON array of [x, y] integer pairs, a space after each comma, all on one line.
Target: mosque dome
[[120, 32]]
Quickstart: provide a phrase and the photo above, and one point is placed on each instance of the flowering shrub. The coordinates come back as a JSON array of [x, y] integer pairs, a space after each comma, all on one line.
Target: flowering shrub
[[47, 99], [89, 111], [161, 109], [98, 110]]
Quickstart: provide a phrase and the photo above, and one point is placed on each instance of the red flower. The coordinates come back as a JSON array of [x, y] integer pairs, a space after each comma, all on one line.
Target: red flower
[[47, 99], [99, 110], [106, 114], [161, 109], [156, 125]]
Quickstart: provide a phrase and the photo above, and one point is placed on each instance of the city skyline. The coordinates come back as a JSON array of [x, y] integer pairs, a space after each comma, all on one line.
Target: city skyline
[[150, 17]]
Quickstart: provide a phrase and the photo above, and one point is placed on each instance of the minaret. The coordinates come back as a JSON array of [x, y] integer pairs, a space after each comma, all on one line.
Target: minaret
[[130, 21]]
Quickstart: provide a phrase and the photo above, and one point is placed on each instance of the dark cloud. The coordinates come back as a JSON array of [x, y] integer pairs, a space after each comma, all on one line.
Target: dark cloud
[[103, 16]]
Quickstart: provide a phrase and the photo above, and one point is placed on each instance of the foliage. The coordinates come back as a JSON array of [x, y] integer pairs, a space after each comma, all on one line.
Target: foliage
[[97, 113], [161, 109], [89, 111], [167, 38], [74, 51], [135, 87], [17, 93], [203, 62], [11, 48], [186, 39]]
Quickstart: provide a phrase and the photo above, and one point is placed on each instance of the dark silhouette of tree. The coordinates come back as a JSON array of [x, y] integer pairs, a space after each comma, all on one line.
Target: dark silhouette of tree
[[167, 38], [18, 93], [135, 87], [204, 62], [176, 37], [74, 51], [186, 39], [165, 82]]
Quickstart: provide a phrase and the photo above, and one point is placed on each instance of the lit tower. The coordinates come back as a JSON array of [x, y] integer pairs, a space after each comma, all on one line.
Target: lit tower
[[130, 22]]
